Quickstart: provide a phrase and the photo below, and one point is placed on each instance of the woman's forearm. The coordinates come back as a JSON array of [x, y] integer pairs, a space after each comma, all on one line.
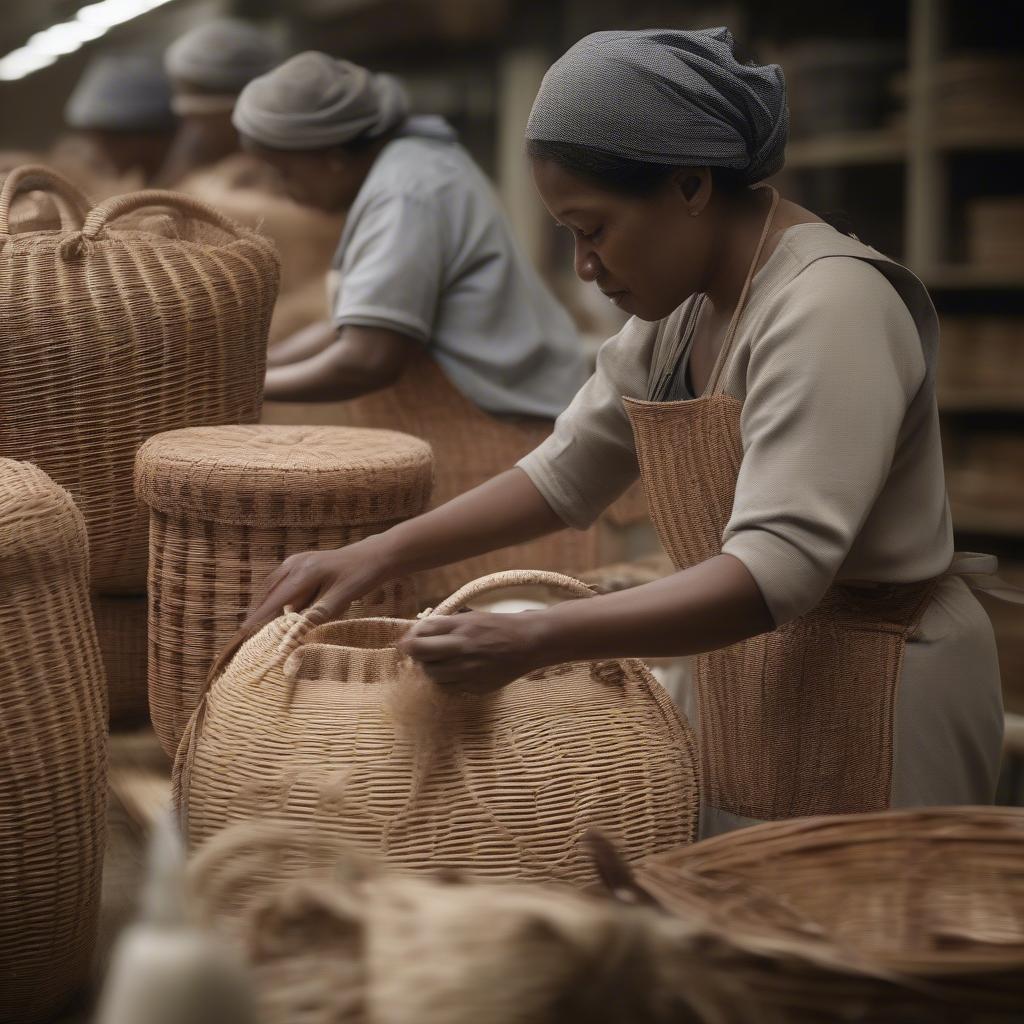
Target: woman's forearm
[[712, 605], [304, 344], [507, 509]]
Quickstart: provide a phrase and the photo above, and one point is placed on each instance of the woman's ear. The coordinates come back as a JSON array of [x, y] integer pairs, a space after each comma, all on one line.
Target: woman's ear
[[694, 187]]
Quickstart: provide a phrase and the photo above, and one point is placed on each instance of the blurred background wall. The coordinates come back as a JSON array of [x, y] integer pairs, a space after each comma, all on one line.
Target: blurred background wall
[[907, 119]]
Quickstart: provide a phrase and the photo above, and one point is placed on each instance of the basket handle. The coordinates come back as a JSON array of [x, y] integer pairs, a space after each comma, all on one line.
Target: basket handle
[[71, 203], [101, 215], [512, 578]]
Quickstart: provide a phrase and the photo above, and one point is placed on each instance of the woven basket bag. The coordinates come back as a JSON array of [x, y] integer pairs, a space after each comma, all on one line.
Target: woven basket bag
[[109, 336], [121, 627], [303, 725], [229, 504], [907, 916], [53, 755]]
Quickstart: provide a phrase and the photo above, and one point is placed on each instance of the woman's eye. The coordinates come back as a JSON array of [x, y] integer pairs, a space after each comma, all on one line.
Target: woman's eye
[[594, 235]]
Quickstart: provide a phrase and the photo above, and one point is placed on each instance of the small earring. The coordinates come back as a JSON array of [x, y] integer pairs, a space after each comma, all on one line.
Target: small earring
[[695, 213]]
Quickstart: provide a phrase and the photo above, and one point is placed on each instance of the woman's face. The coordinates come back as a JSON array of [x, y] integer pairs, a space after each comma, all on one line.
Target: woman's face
[[648, 253], [325, 179]]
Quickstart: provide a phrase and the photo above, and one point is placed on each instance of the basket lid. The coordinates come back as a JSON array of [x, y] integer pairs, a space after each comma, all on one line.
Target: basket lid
[[285, 475]]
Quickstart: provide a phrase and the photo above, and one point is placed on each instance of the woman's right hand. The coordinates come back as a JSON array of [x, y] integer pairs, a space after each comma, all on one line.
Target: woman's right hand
[[328, 580]]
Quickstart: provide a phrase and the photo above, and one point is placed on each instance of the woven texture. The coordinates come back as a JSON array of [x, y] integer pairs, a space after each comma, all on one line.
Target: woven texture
[[229, 504], [110, 336], [903, 916], [469, 448], [122, 631], [53, 758], [799, 720], [302, 726]]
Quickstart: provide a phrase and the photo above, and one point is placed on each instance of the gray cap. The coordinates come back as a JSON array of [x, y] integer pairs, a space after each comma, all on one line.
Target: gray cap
[[314, 101], [121, 92], [666, 96], [222, 55]]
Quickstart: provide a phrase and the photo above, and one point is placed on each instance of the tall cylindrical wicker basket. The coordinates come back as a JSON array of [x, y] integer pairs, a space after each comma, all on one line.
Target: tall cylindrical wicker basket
[[306, 725], [229, 504], [53, 759], [110, 333]]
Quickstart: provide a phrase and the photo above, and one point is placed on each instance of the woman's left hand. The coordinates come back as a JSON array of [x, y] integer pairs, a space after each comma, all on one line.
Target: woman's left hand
[[477, 651]]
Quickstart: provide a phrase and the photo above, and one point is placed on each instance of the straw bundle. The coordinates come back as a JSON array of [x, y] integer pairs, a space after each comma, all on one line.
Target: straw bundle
[[53, 758], [335, 939], [229, 504], [897, 916], [110, 336], [469, 448], [121, 627], [309, 724]]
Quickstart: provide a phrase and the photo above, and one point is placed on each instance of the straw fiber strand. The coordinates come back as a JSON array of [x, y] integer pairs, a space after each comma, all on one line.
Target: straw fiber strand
[[332, 938], [229, 504], [797, 721], [112, 334], [898, 916], [53, 758], [469, 448], [302, 726], [121, 627]]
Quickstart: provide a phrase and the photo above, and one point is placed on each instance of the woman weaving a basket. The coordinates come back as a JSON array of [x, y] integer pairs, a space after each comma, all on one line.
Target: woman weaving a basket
[[426, 257], [774, 392]]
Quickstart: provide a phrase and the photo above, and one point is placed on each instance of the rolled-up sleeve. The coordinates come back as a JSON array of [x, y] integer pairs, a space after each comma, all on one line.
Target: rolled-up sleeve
[[829, 381], [392, 268], [590, 458]]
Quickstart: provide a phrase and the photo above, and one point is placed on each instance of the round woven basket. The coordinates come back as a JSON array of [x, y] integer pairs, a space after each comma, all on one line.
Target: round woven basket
[[108, 336], [314, 725], [53, 759], [229, 504], [121, 627], [897, 916]]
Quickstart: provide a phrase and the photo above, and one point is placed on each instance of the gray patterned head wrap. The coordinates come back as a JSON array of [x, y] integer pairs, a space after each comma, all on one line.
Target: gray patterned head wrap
[[121, 93], [222, 55], [666, 96], [314, 101]]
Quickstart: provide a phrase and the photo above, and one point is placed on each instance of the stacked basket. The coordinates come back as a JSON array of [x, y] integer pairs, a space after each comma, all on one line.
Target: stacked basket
[[109, 335]]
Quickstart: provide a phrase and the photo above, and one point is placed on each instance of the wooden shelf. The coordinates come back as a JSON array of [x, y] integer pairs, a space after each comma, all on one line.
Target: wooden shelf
[[998, 522], [963, 275], [871, 147], [1009, 400], [967, 137]]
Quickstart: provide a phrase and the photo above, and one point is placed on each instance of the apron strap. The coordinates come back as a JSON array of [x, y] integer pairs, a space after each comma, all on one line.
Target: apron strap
[[715, 382], [979, 572]]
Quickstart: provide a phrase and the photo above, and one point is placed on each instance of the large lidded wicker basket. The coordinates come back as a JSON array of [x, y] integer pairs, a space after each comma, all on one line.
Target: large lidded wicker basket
[[110, 334], [229, 504], [53, 761], [906, 916], [303, 725]]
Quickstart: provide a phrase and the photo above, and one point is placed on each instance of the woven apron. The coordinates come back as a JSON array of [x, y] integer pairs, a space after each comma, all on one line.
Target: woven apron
[[798, 721]]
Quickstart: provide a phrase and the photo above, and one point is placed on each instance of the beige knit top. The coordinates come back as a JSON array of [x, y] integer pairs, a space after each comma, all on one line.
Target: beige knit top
[[842, 469]]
